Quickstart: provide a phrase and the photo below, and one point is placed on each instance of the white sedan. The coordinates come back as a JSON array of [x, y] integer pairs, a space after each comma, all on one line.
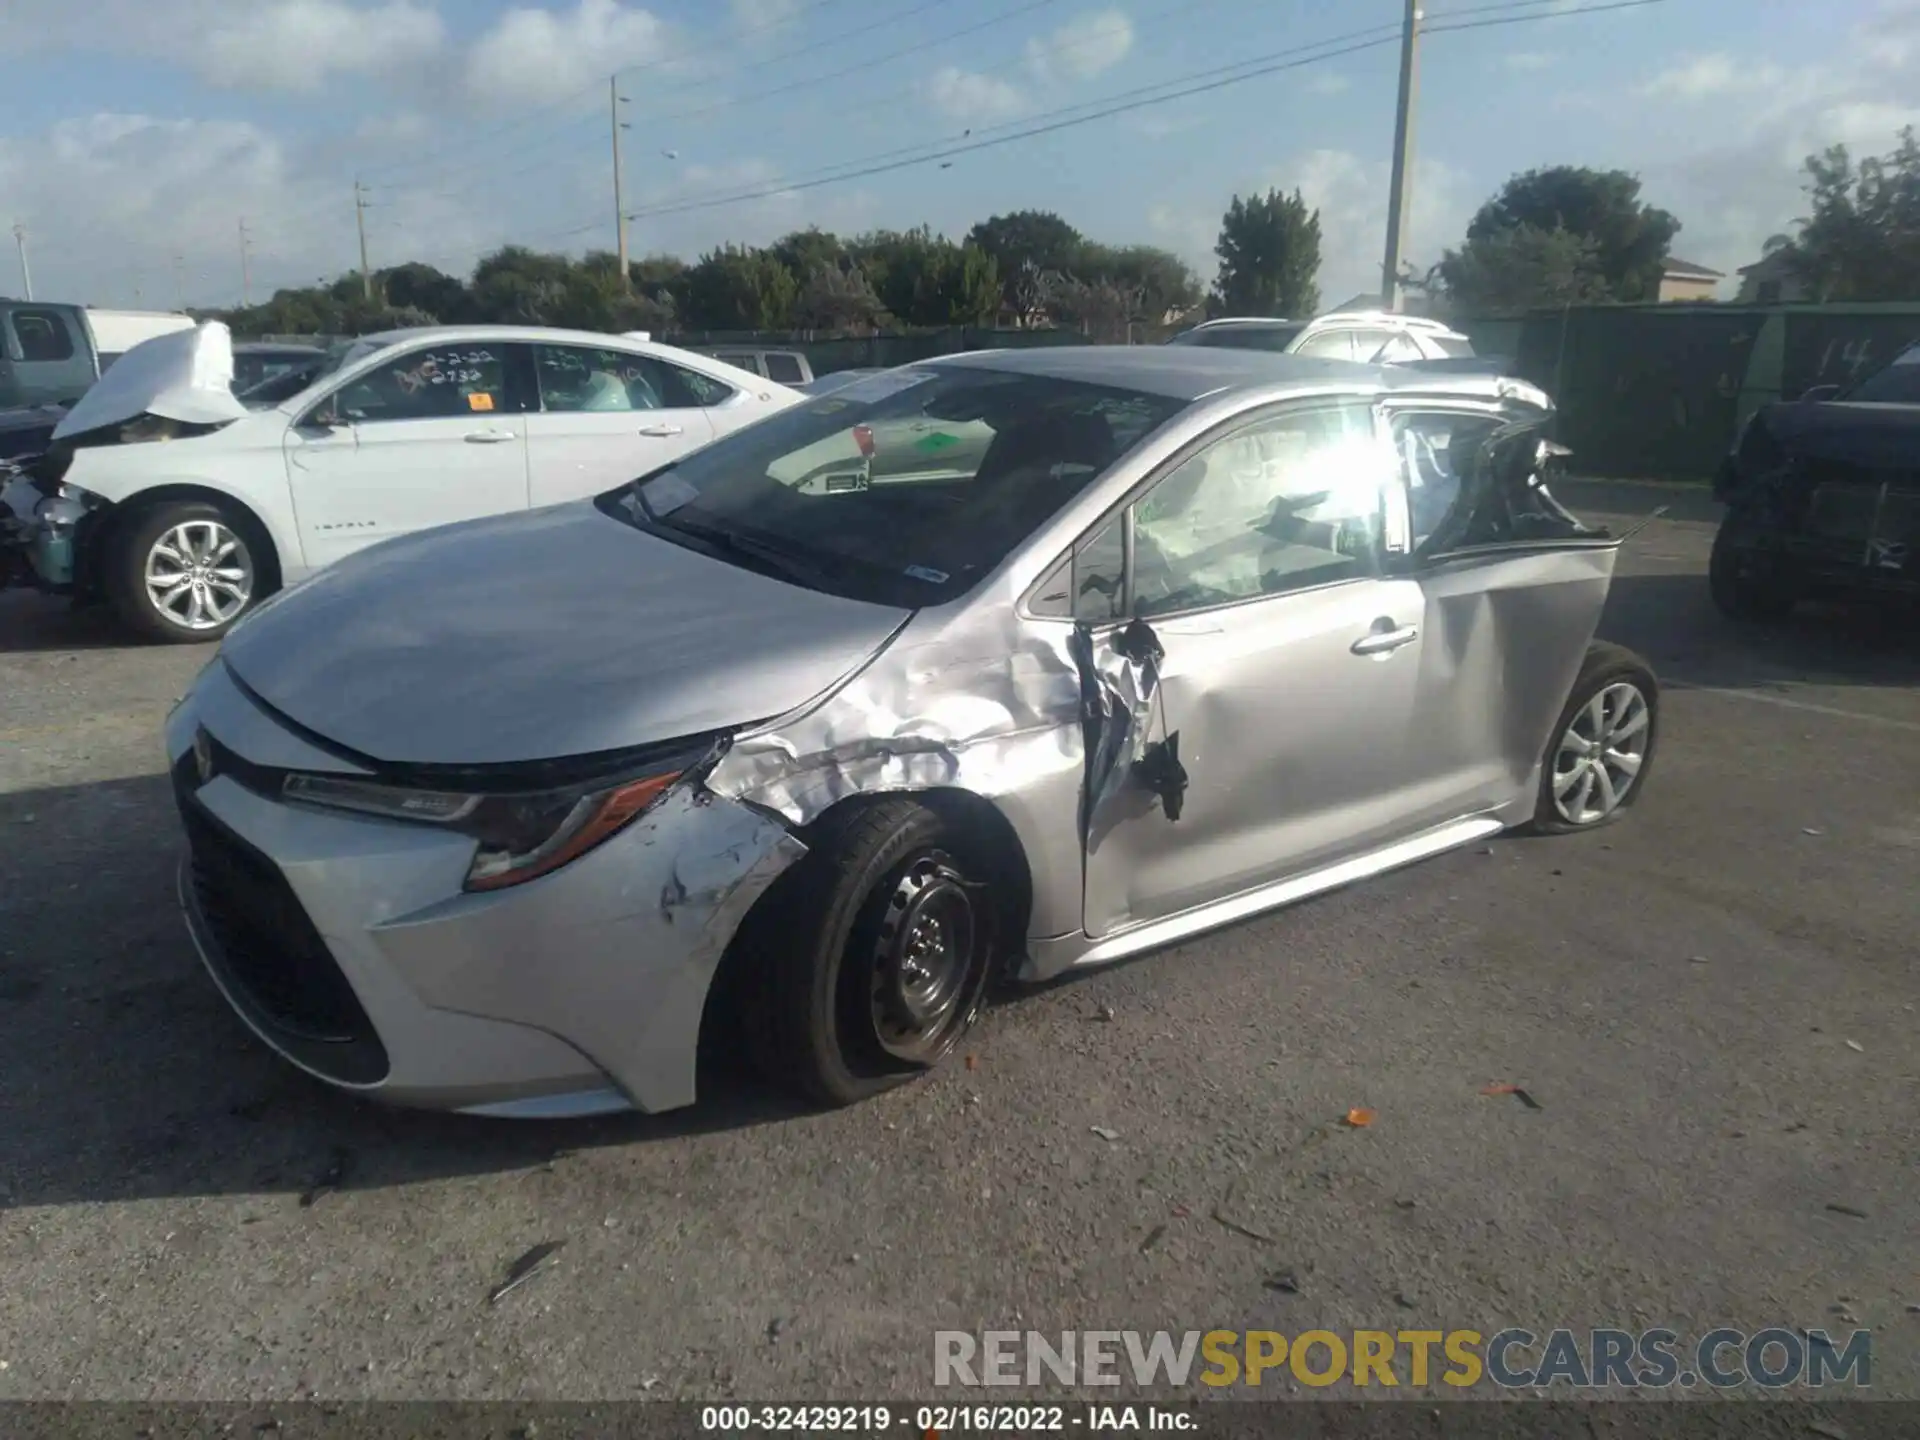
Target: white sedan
[[398, 432]]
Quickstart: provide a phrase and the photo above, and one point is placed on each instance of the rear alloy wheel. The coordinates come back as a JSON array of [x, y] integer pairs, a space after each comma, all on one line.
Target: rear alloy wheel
[[1597, 762], [186, 573], [870, 960]]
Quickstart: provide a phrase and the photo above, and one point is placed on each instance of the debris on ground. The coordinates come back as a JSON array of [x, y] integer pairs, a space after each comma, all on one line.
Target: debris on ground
[[1181, 1212], [1404, 1300], [1104, 1133], [331, 1178], [774, 1327], [1856, 1045], [1514, 1090], [1809, 830], [1405, 1204], [1827, 1429], [1696, 959], [1359, 1117], [973, 1062], [525, 1268], [1220, 1217], [1154, 1237], [1104, 1013], [1849, 1211], [1285, 1281]]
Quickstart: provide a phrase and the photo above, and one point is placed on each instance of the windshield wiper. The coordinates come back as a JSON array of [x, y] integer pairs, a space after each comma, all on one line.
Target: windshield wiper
[[791, 563]]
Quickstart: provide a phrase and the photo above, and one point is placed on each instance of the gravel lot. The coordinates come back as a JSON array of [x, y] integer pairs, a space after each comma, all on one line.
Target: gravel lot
[[1714, 1004]]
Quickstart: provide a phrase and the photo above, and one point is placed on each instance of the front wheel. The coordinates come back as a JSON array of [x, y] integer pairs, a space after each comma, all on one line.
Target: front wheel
[[871, 960], [1597, 762], [184, 572]]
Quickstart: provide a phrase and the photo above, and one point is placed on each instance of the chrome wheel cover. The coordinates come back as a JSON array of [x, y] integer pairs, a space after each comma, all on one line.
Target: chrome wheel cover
[[199, 575]]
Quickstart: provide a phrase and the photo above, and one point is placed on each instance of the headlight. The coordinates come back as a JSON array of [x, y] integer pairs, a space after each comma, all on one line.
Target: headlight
[[521, 836]]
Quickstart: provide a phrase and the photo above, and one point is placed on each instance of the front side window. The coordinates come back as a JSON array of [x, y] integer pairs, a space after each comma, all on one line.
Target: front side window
[[1398, 350], [42, 335], [905, 488], [1283, 504], [441, 382], [785, 369], [1898, 384], [1436, 451]]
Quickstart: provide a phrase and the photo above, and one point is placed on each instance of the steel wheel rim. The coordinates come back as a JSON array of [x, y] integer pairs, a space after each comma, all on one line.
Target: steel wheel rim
[[199, 575], [1601, 754], [924, 960]]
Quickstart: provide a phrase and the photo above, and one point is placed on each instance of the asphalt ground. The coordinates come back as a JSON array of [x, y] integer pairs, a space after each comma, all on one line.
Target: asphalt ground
[[1712, 1005]]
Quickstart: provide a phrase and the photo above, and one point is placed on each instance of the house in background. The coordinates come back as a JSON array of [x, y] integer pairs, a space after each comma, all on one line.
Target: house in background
[[1770, 280], [1683, 280]]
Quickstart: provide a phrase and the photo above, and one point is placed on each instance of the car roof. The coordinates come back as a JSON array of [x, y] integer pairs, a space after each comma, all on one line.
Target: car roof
[[1188, 372]]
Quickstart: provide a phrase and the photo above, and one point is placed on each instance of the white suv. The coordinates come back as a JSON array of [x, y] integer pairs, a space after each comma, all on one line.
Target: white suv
[[1372, 337], [396, 432]]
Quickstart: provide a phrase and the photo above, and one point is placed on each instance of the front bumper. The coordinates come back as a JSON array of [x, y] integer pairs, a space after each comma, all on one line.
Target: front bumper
[[38, 536], [347, 944]]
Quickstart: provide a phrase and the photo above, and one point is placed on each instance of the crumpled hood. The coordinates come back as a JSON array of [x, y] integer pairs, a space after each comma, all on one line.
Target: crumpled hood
[[186, 375], [542, 636], [1874, 436]]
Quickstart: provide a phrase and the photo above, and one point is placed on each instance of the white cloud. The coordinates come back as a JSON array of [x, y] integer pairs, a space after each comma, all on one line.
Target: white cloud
[[540, 56], [300, 44], [1086, 46], [1706, 76], [760, 17], [1331, 83], [1530, 60], [968, 95], [295, 45]]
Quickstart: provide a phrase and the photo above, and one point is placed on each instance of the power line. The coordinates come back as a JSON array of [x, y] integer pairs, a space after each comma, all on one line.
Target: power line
[[1062, 119], [520, 122]]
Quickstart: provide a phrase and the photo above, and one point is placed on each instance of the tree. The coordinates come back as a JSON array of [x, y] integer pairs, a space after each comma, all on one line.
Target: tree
[[1269, 251], [1517, 269], [1630, 239], [838, 299], [926, 279], [803, 250], [1165, 284], [1026, 246], [1861, 240], [739, 288], [423, 288]]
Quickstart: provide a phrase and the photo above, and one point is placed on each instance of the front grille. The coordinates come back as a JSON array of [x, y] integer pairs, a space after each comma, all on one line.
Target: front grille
[[271, 957]]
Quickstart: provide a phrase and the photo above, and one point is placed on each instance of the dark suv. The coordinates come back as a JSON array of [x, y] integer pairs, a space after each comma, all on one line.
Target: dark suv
[[1823, 498]]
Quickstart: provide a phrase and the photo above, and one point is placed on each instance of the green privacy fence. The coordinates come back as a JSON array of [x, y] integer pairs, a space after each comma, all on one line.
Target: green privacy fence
[[1661, 390], [1655, 391]]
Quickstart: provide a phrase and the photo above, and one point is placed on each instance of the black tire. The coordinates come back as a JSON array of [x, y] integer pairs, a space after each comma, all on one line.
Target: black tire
[[1746, 586], [824, 947], [1607, 665], [133, 544]]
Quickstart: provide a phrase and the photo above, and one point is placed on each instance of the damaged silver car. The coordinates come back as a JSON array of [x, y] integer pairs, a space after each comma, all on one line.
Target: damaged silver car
[[508, 817]]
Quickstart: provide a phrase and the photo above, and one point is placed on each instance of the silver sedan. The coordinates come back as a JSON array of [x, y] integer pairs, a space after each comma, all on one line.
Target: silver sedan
[[511, 816]]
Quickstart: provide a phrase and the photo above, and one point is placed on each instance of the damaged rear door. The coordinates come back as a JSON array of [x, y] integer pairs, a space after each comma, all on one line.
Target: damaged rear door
[[1249, 703], [1512, 586]]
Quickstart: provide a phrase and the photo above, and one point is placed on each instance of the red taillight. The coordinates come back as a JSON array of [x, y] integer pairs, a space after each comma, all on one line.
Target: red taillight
[[863, 437]]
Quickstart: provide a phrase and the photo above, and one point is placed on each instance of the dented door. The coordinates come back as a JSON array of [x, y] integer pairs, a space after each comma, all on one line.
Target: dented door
[[1512, 589], [1249, 719]]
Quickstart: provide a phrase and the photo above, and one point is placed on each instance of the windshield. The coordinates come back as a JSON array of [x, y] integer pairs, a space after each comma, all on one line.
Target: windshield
[[1243, 337], [903, 488], [1898, 384]]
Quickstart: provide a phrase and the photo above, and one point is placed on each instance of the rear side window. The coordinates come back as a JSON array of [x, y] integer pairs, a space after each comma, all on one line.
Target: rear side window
[[785, 369], [1328, 345], [1247, 337], [42, 335], [1454, 347], [744, 359]]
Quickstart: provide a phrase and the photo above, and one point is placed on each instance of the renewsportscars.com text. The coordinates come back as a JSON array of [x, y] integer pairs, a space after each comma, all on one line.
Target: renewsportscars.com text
[[1772, 1358]]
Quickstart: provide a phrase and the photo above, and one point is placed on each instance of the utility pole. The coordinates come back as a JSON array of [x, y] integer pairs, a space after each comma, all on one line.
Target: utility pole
[[246, 270], [26, 271], [1399, 202], [619, 210], [360, 203]]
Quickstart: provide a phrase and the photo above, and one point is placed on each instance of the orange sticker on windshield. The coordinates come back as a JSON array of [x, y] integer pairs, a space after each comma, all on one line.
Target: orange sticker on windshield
[[479, 400]]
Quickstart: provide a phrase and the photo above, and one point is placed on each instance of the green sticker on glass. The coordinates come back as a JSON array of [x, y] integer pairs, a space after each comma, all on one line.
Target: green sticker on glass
[[937, 441]]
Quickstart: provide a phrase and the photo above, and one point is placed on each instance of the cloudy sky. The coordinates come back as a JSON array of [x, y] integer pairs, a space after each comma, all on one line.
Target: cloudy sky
[[140, 136]]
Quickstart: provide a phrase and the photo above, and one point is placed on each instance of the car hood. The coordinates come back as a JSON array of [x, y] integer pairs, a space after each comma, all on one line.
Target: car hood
[[185, 375], [1874, 436], [542, 636]]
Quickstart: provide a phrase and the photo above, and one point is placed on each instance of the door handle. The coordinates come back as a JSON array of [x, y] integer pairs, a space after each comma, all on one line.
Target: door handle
[[660, 431], [1385, 642], [488, 437]]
